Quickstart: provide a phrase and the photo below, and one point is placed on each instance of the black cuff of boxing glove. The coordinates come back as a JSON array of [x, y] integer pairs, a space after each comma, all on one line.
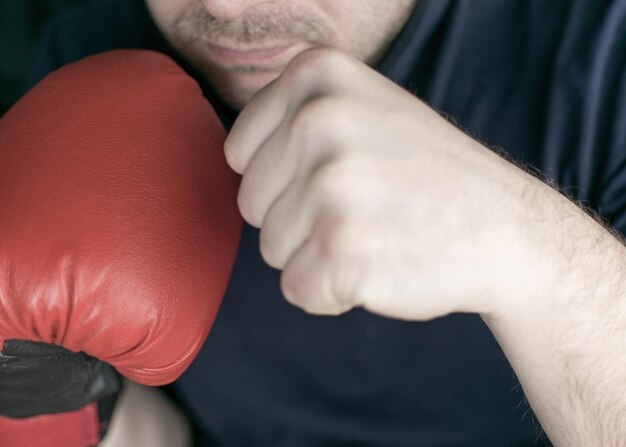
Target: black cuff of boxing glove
[[40, 378]]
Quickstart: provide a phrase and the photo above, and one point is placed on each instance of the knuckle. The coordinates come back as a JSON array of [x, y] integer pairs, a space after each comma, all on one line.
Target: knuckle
[[309, 295], [268, 249], [319, 64], [233, 158], [289, 286], [246, 208], [323, 180], [337, 238], [325, 58], [314, 117], [332, 180], [325, 118], [361, 292], [298, 287]]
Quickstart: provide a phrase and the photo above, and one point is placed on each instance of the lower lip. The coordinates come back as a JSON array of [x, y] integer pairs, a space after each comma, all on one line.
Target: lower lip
[[252, 57]]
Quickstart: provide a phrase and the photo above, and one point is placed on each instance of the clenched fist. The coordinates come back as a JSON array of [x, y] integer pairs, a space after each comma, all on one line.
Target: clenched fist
[[367, 197]]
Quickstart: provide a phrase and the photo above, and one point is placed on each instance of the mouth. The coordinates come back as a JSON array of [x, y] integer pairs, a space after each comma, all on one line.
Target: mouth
[[253, 56]]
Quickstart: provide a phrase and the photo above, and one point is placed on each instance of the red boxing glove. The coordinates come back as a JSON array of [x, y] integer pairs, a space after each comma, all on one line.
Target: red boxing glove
[[118, 216]]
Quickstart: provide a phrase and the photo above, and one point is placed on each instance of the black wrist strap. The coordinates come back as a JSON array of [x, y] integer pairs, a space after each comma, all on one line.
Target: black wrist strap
[[44, 379]]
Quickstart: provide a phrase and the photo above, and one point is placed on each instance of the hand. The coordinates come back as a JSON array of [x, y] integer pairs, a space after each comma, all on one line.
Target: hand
[[367, 197]]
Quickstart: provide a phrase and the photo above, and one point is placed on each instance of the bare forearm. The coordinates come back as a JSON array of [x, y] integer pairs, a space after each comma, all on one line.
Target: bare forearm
[[566, 339]]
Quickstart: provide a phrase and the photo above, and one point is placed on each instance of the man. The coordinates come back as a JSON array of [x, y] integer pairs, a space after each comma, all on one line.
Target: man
[[367, 198]]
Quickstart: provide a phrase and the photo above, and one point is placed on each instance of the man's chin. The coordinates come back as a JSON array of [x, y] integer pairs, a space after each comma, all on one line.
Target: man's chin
[[237, 88]]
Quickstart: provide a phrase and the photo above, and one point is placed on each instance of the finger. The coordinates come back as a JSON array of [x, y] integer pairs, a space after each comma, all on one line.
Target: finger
[[304, 283], [267, 175], [303, 140], [256, 122], [286, 225], [316, 187], [307, 75], [316, 278]]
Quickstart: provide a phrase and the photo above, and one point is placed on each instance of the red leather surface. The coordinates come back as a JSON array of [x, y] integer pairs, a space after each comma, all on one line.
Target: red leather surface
[[118, 216], [72, 429]]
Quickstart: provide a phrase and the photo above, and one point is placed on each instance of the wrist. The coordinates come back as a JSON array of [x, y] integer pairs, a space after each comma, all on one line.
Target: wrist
[[522, 236], [562, 259], [546, 247]]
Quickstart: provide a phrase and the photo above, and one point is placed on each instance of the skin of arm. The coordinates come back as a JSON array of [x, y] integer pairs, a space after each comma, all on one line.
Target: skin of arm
[[366, 197], [567, 339]]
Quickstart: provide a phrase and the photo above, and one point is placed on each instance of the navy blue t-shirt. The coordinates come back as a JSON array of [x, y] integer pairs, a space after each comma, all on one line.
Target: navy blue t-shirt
[[544, 82]]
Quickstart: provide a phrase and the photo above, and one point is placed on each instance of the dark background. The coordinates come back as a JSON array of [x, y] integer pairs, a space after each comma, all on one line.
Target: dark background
[[21, 24]]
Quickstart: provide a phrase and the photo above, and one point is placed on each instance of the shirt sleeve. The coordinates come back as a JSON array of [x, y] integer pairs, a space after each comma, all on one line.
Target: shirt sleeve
[[611, 112], [585, 135]]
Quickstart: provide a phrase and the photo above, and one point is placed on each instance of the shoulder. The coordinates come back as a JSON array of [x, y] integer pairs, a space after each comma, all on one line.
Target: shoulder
[[547, 82], [89, 28], [544, 81]]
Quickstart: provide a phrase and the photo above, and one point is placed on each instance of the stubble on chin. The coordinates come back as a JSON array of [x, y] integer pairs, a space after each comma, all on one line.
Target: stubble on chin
[[194, 28]]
